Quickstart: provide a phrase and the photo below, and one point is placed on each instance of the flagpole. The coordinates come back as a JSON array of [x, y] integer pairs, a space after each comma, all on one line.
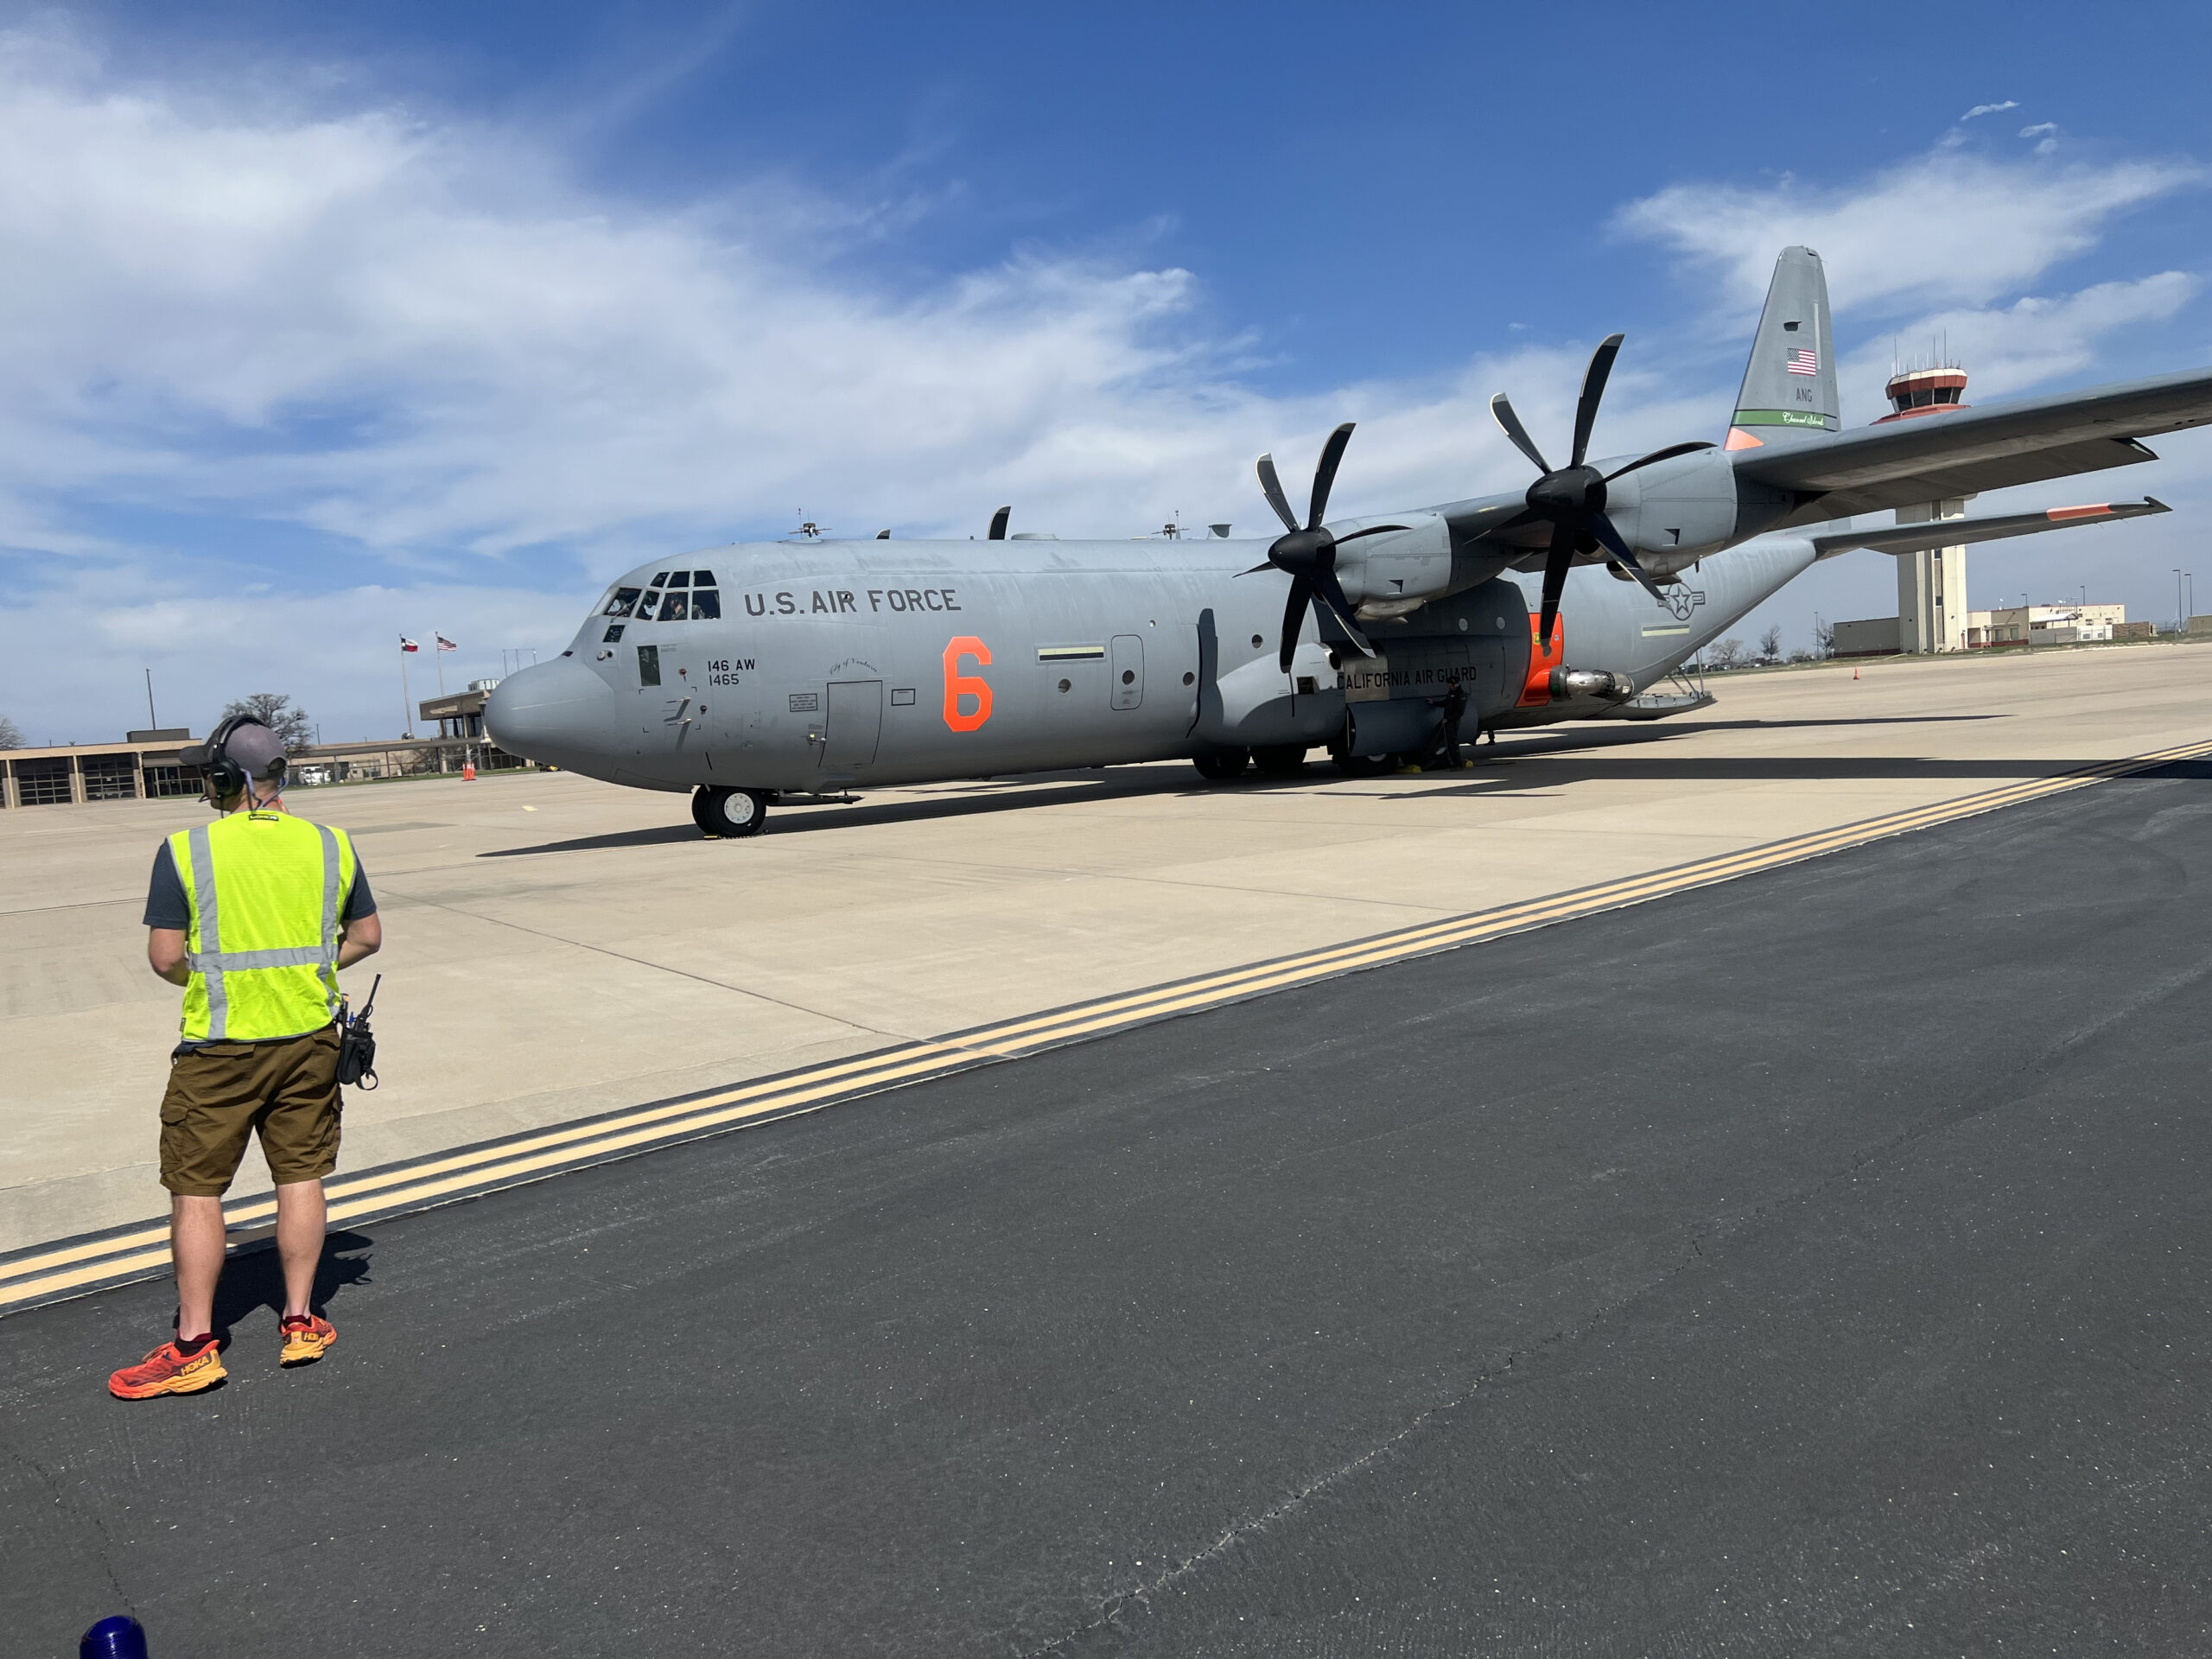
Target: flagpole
[[439, 641], [406, 697]]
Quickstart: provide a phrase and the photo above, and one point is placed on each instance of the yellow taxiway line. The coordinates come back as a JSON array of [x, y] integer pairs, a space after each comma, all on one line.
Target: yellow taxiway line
[[72, 1267]]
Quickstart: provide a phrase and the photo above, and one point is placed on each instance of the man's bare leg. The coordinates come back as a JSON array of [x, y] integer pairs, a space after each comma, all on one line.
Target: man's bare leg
[[196, 1247], [301, 1217]]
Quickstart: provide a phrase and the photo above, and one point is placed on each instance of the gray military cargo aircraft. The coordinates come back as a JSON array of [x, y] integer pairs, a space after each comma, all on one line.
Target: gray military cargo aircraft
[[809, 667]]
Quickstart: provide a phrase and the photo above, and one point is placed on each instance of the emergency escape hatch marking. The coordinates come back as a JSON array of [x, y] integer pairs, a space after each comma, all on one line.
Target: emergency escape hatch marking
[[74, 1267]]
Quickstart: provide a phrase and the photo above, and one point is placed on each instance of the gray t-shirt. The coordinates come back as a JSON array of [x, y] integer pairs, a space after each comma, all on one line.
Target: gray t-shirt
[[165, 908]]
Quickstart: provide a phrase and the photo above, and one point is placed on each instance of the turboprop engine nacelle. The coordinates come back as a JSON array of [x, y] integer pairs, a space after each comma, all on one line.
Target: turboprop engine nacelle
[[1674, 512], [1391, 574]]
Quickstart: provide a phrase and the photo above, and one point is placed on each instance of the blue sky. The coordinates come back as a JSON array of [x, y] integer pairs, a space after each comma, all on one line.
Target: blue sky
[[327, 325]]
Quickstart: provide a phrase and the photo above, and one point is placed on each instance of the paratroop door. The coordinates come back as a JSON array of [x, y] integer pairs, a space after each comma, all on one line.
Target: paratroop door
[[1128, 671], [856, 723]]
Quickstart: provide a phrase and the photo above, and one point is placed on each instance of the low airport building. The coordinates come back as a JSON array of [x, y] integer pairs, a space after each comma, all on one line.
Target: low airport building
[[148, 766], [2017, 625]]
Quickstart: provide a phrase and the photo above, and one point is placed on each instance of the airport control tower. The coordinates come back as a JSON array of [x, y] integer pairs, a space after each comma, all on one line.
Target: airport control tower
[[1931, 587]]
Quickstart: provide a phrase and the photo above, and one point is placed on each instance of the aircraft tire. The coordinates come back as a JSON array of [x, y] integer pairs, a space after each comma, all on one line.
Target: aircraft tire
[[729, 814], [1280, 760], [1222, 765], [1361, 766]]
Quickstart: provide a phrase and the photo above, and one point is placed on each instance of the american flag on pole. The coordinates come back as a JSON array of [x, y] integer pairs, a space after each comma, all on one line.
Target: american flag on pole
[[1803, 360], [444, 644], [406, 644]]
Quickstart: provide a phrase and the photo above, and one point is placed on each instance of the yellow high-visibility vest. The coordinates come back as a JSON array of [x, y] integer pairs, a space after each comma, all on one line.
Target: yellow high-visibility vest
[[262, 890]]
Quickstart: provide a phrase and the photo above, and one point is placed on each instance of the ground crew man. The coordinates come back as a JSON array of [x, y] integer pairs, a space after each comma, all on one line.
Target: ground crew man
[[253, 914], [1455, 710]]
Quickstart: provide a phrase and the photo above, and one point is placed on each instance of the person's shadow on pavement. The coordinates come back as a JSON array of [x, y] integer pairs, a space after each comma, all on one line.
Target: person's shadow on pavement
[[256, 1279]]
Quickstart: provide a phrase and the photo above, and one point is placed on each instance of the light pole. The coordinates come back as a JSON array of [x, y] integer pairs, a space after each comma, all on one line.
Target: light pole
[[2179, 621]]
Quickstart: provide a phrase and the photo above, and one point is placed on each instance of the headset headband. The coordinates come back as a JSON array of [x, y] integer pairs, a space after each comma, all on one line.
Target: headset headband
[[225, 776]]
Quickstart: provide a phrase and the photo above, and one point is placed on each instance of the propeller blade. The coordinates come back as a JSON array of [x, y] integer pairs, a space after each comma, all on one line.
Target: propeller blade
[[1555, 569], [1594, 391], [1501, 408], [882, 535], [1271, 486], [1331, 592], [1293, 618], [998, 523], [1325, 475], [1667, 453], [1372, 530], [1255, 570], [1602, 528]]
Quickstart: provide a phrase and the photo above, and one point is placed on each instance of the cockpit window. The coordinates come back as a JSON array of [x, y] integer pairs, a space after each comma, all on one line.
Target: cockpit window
[[672, 607], [679, 578], [625, 600], [646, 605], [706, 604], [660, 580], [702, 578]]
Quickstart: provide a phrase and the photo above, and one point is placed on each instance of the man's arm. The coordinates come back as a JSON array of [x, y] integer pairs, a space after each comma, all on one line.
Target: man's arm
[[364, 937], [165, 954]]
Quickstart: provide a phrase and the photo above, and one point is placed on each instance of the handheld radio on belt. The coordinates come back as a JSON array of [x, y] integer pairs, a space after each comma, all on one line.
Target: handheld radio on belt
[[357, 1044]]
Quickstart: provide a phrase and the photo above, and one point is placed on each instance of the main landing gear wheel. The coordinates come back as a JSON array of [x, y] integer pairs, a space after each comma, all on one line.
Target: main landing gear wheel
[[729, 813], [1280, 760], [1361, 766], [1222, 765]]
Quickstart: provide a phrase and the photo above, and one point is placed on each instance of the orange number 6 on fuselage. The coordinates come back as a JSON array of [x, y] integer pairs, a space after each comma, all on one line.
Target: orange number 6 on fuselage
[[959, 686]]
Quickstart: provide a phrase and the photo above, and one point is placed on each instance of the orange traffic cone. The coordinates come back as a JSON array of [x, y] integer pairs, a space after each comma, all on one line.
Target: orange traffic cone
[[468, 772], [1854, 675]]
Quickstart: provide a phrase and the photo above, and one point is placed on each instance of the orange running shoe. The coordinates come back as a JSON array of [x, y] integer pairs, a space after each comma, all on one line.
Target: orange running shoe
[[306, 1337], [170, 1370]]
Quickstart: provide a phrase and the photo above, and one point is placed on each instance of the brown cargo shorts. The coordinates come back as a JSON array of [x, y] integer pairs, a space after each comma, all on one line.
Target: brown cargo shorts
[[224, 1093]]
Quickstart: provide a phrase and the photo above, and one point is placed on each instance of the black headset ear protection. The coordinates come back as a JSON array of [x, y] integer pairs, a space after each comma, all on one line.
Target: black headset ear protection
[[226, 778]]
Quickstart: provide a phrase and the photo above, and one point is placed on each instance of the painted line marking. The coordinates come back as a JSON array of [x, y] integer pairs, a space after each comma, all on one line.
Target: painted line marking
[[72, 1267]]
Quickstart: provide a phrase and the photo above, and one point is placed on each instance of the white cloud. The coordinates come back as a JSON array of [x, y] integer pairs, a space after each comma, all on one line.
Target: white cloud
[[2038, 128], [2007, 349], [1948, 227], [1991, 109]]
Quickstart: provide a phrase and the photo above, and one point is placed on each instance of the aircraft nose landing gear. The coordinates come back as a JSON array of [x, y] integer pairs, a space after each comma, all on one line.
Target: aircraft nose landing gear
[[728, 813]]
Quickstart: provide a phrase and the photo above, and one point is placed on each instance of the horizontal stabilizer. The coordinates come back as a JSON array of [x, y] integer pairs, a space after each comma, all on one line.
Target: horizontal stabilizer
[[1957, 532]]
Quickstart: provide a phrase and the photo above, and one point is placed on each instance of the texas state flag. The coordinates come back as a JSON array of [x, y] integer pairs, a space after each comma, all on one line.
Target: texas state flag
[[406, 644]]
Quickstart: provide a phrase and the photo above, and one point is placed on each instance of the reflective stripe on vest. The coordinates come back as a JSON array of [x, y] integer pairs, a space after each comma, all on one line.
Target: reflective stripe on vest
[[257, 896]]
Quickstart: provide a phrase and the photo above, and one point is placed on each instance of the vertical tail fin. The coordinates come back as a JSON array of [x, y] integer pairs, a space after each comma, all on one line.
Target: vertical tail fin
[[1789, 385]]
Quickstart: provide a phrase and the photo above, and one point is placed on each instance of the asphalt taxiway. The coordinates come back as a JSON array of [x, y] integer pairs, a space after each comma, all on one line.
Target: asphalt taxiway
[[1810, 1263]]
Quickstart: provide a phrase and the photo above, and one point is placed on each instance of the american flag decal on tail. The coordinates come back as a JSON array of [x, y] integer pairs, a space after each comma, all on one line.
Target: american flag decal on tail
[[1803, 360]]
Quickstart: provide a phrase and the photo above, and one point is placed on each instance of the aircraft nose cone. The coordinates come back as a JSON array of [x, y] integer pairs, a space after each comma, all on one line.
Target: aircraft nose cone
[[549, 711]]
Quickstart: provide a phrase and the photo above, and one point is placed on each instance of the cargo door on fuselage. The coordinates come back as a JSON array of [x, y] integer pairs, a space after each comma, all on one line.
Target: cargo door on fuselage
[[855, 725]]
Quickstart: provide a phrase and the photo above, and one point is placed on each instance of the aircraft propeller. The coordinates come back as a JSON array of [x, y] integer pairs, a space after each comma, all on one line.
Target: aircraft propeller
[[1307, 553], [1572, 499]]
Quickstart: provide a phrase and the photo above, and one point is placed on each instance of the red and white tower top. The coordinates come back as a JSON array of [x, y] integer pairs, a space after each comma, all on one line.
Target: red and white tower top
[[1915, 392]]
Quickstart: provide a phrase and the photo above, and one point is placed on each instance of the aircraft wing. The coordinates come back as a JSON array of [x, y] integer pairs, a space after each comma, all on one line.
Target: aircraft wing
[[1956, 532], [1906, 462]]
